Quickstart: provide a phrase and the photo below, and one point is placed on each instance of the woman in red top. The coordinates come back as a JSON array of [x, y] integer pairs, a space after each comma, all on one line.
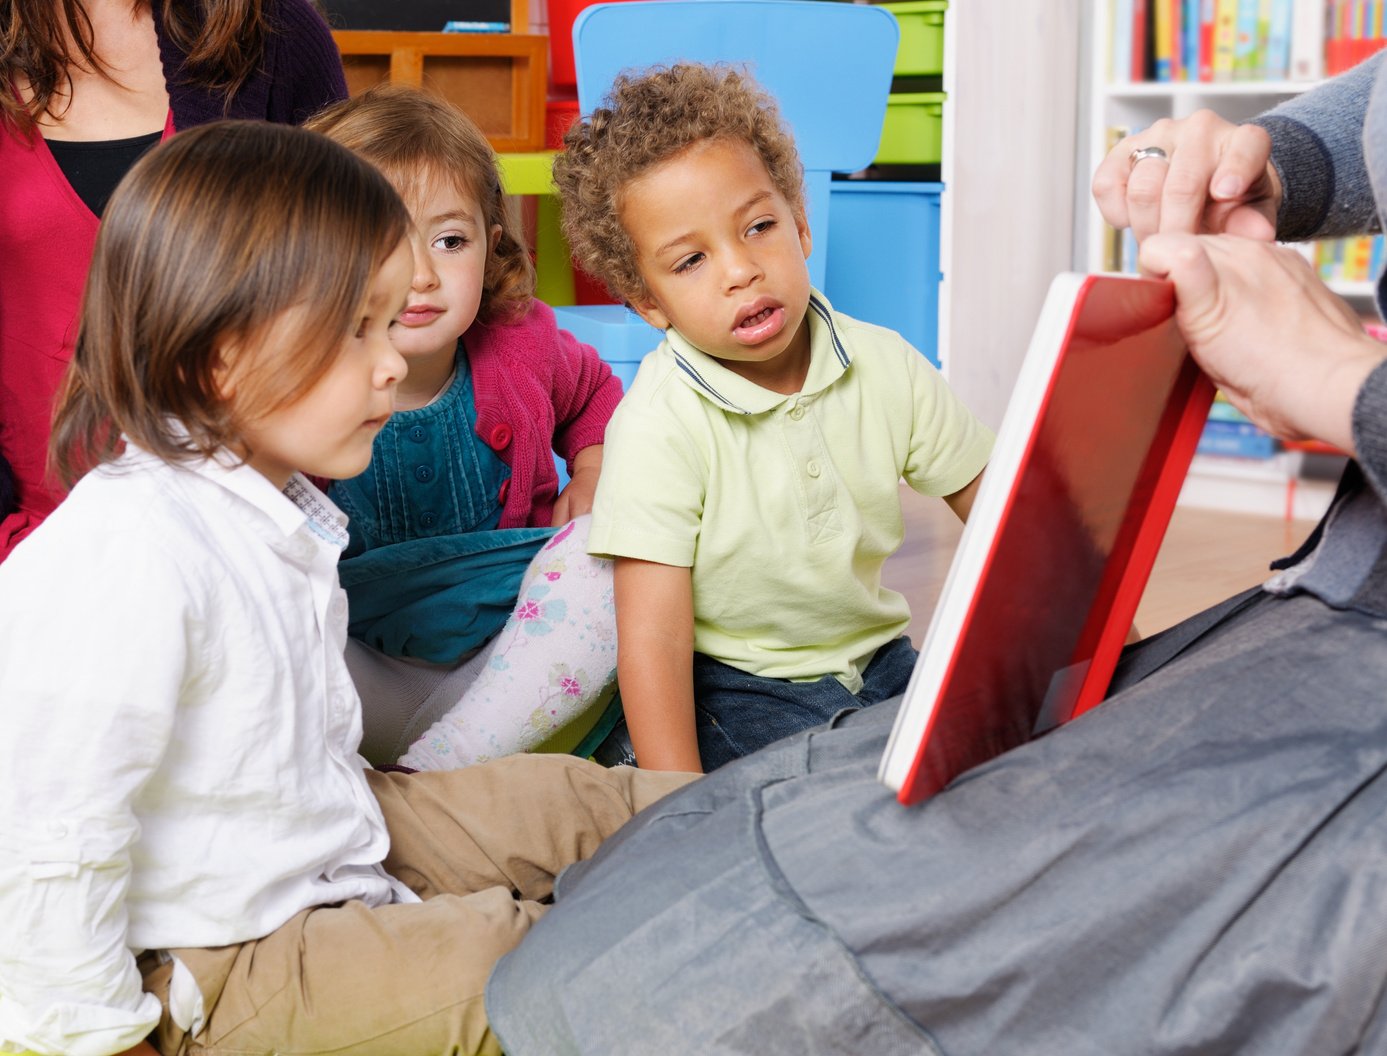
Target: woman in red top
[[86, 86]]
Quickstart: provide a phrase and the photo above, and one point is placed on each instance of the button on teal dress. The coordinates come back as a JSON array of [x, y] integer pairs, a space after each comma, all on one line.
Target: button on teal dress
[[428, 574]]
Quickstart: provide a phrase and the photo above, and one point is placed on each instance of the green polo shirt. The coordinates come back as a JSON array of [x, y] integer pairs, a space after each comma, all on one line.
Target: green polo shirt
[[785, 507]]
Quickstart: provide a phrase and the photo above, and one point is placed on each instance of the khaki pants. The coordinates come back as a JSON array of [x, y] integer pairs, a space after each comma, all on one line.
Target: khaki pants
[[481, 846]]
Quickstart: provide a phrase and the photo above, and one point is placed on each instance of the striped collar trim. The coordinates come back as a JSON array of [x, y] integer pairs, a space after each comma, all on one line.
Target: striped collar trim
[[828, 359]]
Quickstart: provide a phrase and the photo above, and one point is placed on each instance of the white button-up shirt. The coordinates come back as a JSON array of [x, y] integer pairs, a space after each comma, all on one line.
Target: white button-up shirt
[[178, 739]]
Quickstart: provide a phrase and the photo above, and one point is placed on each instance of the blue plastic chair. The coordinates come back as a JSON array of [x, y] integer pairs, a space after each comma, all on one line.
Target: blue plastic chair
[[827, 64]]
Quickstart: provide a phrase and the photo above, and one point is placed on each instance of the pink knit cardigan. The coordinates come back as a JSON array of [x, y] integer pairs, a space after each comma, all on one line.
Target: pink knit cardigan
[[538, 391]]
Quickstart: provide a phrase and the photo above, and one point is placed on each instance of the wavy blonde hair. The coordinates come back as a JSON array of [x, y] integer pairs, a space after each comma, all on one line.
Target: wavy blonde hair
[[416, 139], [645, 120]]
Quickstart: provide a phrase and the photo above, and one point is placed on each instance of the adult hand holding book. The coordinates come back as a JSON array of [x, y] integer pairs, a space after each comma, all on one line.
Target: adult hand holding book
[[1282, 347]]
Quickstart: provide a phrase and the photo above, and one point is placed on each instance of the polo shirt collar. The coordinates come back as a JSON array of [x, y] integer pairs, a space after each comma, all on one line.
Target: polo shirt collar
[[828, 359]]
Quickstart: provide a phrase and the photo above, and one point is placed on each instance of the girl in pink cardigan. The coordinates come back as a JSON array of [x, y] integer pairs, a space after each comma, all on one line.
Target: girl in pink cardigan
[[479, 624]]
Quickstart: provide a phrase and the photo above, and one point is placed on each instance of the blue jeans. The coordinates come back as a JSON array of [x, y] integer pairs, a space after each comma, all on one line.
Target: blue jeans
[[736, 713]]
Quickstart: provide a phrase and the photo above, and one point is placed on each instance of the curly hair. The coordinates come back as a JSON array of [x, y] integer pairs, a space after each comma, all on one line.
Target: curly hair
[[647, 119], [416, 138]]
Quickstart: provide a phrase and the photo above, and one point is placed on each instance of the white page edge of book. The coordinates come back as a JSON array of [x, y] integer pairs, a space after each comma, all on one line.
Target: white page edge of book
[[975, 542]]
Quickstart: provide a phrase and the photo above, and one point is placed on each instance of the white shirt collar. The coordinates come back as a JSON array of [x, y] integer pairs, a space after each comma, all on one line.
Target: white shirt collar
[[299, 505]]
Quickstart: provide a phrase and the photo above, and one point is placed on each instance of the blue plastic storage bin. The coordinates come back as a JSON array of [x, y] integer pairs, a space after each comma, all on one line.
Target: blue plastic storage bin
[[621, 337], [883, 257]]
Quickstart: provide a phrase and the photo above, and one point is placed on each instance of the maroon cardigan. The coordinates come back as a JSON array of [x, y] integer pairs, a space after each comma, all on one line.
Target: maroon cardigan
[[535, 384]]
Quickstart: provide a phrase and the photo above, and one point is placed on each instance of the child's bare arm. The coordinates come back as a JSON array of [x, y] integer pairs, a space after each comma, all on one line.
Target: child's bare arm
[[576, 499], [961, 501], [654, 630]]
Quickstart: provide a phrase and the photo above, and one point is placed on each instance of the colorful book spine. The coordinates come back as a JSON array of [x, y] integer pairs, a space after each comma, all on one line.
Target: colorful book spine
[[1225, 38], [1121, 68], [1235, 440], [1307, 39], [1206, 39], [1278, 46], [1190, 24], [1177, 39], [1140, 42], [1245, 52], [1358, 255], [1162, 41]]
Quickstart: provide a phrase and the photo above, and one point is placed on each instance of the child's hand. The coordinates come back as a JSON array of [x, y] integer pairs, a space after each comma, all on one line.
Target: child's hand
[[576, 499]]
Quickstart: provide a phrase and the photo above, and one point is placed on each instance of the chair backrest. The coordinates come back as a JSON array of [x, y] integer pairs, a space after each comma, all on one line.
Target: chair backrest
[[827, 64]]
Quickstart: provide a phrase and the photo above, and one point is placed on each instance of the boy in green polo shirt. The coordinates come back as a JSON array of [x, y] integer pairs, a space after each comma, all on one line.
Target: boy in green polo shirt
[[749, 489]]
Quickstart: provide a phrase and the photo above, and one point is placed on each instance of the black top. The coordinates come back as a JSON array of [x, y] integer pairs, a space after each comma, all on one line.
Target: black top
[[94, 168]]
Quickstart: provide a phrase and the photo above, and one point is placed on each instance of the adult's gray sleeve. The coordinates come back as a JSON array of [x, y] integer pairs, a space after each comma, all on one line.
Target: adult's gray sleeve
[[1317, 149], [1370, 429]]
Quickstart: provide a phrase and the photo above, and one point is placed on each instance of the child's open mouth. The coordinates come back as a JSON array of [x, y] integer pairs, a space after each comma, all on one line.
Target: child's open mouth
[[760, 325]]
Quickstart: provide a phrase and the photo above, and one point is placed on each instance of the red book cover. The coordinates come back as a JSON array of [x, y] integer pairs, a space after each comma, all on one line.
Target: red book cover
[[1139, 43], [1206, 40], [1091, 455]]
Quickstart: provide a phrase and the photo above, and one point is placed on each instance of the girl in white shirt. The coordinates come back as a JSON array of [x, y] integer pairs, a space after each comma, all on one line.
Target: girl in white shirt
[[191, 850]]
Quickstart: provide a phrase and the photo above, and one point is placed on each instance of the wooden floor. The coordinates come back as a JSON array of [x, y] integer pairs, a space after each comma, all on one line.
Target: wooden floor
[[1207, 556]]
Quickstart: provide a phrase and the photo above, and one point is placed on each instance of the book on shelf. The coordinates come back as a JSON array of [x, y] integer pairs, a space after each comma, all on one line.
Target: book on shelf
[[1357, 259], [1141, 37], [1043, 589], [1239, 40], [1307, 39], [1162, 40], [1231, 434], [1225, 38], [1354, 31], [1276, 58], [1205, 62], [1113, 238], [1246, 53]]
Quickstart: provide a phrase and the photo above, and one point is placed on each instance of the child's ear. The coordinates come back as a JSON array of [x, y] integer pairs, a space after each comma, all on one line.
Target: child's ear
[[805, 240], [493, 239], [648, 310], [223, 378]]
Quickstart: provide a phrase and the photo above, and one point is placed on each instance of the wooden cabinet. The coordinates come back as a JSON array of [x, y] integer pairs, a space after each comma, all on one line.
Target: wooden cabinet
[[497, 79]]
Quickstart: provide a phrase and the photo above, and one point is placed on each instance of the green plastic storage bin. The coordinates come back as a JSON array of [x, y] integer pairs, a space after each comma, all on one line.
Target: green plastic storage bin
[[921, 52], [913, 132]]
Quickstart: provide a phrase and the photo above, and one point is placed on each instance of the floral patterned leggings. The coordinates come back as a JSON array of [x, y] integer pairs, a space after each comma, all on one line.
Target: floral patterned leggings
[[549, 668]]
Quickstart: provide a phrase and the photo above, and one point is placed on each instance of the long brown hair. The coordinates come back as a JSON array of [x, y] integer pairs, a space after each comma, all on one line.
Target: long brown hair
[[224, 41], [210, 239], [416, 138]]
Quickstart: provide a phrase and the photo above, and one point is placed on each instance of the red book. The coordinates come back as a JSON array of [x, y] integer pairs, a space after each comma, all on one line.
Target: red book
[[1140, 18], [1206, 40], [1091, 455]]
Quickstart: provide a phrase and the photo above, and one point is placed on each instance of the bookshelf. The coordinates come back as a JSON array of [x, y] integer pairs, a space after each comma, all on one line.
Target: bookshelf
[[1280, 484]]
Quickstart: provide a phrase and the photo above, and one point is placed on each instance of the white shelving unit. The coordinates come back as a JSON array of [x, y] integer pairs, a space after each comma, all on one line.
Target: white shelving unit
[[1273, 486]]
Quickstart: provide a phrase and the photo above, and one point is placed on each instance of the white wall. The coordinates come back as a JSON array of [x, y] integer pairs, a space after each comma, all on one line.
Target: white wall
[[1010, 147]]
